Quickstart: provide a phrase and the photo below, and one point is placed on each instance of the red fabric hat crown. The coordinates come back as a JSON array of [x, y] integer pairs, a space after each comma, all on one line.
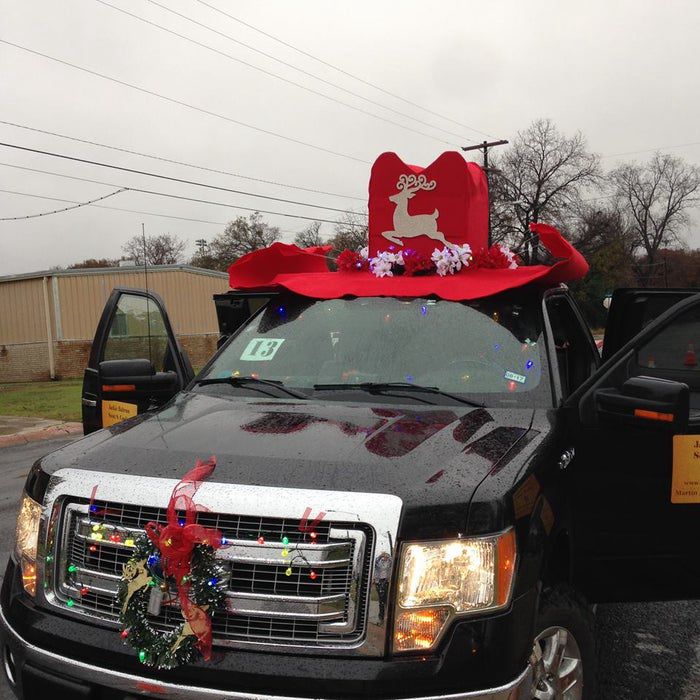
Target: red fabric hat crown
[[423, 208]]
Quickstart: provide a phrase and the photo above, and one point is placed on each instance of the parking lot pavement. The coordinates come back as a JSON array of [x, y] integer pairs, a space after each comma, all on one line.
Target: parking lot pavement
[[646, 651]]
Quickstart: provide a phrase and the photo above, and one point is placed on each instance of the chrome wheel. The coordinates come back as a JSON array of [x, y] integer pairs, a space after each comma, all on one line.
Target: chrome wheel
[[557, 666]]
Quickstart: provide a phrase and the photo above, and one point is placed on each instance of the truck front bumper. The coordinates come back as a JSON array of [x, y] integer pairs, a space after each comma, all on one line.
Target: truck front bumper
[[30, 670]]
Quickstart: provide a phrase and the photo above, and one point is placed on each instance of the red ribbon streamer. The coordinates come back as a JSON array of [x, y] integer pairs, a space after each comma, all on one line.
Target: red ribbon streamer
[[176, 542]]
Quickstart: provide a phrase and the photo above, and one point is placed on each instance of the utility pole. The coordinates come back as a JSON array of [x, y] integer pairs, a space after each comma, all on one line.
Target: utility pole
[[484, 148]]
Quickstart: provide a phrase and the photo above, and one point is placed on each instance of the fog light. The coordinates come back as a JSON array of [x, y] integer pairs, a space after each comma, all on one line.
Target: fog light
[[418, 629]]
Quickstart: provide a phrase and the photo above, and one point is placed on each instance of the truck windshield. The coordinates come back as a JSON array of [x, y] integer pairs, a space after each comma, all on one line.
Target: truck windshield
[[489, 350]]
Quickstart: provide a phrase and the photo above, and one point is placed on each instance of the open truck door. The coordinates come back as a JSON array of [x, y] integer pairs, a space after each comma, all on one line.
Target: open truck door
[[635, 478], [136, 363]]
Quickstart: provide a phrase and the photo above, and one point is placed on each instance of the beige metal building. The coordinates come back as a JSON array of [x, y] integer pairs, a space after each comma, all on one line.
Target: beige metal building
[[48, 319]]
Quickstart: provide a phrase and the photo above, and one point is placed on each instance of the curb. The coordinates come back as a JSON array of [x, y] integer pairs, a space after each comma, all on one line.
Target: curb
[[50, 433]]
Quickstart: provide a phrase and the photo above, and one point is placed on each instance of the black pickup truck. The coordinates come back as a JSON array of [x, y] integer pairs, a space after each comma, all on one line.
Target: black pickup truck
[[485, 476]]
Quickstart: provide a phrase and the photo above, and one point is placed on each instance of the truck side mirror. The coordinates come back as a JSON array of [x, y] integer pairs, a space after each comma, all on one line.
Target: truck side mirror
[[647, 402]]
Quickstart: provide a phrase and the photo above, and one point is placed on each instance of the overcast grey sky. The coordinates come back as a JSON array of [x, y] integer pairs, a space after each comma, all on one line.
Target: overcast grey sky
[[625, 73]]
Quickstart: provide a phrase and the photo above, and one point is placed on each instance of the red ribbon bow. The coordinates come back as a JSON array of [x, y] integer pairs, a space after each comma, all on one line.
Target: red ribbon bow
[[177, 539]]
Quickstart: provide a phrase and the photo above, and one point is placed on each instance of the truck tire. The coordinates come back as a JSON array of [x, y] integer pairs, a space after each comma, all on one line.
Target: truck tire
[[564, 653]]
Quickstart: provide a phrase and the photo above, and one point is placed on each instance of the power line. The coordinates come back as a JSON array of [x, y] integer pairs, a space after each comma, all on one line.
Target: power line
[[651, 150], [262, 70], [300, 70], [76, 205], [192, 199], [129, 211], [178, 162], [340, 70], [181, 103], [171, 179], [98, 206]]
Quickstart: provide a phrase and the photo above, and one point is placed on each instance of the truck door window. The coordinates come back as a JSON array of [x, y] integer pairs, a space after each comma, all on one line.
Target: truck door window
[[675, 347], [137, 331], [575, 358]]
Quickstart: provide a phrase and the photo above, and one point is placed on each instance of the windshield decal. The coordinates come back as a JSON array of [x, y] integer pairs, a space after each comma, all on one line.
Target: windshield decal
[[259, 349], [516, 377]]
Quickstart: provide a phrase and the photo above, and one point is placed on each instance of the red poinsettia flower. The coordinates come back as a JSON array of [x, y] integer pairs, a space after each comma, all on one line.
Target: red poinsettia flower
[[350, 261], [415, 263], [497, 257]]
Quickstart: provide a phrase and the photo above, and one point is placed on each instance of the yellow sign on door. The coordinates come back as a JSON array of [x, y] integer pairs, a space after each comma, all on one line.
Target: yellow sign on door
[[685, 485], [117, 411]]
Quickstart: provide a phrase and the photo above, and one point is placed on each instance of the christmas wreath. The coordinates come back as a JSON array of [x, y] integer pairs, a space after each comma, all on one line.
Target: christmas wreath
[[173, 564]]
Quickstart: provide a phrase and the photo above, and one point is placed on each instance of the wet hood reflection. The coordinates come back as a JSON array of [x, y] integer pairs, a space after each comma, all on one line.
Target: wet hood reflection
[[423, 454]]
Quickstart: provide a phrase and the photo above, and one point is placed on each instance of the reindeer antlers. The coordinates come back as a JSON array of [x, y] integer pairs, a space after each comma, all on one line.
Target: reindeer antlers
[[411, 183]]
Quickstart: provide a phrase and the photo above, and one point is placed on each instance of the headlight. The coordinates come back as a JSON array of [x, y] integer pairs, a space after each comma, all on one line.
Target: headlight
[[26, 539], [441, 579]]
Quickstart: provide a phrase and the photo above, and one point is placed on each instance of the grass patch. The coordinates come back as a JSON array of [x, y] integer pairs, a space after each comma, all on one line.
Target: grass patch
[[57, 400]]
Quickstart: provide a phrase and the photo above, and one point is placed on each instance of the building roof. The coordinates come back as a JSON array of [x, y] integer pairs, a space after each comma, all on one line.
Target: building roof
[[73, 272]]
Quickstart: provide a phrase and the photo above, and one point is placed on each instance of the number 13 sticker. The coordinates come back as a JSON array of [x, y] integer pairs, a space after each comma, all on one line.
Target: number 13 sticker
[[262, 349]]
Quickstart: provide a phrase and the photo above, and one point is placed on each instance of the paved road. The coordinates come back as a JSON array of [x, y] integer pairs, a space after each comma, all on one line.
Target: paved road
[[646, 651]]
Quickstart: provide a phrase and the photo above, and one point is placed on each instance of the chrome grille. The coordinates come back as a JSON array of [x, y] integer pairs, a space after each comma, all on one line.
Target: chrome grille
[[264, 605]]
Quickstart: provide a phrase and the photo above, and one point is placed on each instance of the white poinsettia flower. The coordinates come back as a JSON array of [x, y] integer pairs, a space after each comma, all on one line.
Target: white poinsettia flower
[[464, 254], [381, 265], [444, 262]]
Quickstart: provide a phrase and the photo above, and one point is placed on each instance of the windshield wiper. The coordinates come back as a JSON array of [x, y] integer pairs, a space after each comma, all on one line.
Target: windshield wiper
[[381, 387], [250, 382]]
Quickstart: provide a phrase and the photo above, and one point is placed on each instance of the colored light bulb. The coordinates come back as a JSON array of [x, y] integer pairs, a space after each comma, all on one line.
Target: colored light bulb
[[49, 559], [142, 656], [288, 572], [151, 583], [261, 540], [94, 509], [313, 575], [212, 582], [313, 536], [124, 634], [129, 542], [97, 536], [285, 552], [93, 547], [84, 590], [72, 568], [285, 541], [70, 602], [95, 528], [153, 560]]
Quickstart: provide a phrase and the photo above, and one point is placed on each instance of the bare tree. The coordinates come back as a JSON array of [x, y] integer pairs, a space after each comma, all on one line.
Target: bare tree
[[541, 176], [241, 236], [656, 196], [351, 231], [598, 227], [164, 249], [310, 236]]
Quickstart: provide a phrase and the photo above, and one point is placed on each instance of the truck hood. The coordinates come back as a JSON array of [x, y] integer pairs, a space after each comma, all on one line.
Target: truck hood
[[429, 456]]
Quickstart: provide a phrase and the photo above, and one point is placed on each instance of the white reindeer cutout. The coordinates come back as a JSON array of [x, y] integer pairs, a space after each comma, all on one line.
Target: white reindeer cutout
[[405, 225]]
